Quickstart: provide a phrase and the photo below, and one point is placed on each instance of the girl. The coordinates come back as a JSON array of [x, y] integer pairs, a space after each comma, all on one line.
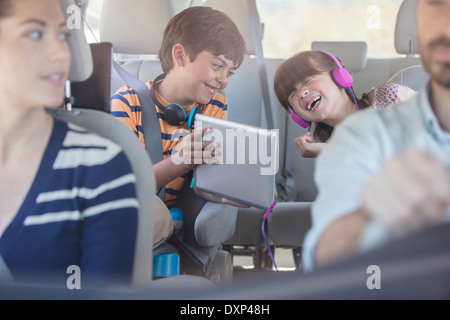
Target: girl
[[307, 86]]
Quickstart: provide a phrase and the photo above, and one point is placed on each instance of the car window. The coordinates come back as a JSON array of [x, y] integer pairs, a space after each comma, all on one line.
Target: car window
[[291, 26]]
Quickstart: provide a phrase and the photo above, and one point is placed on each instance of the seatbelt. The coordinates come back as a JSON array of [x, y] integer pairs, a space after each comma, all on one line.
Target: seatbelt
[[257, 39], [149, 117]]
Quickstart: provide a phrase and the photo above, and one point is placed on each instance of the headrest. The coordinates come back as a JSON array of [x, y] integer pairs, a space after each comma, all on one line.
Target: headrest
[[413, 77], [82, 65], [239, 13], [135, 26], [406, 28], [353, 54]]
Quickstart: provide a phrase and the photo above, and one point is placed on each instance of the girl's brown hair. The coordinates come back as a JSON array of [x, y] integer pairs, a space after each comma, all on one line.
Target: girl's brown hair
[[5, 9]]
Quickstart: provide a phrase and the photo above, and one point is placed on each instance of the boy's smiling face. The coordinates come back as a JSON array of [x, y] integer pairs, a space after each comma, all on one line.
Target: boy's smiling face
[[204, 77]]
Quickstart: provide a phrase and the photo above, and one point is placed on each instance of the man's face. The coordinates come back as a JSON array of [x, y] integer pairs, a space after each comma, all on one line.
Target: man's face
[[433, 27]]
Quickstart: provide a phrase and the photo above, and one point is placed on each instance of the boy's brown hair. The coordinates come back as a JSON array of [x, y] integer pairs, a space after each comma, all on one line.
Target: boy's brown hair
[[202, 29]]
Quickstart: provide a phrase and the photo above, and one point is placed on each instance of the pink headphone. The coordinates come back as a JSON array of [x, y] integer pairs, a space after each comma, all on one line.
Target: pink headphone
[[341, 77]]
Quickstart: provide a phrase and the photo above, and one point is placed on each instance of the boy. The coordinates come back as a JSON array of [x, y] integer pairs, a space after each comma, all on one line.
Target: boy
[[200, 50]]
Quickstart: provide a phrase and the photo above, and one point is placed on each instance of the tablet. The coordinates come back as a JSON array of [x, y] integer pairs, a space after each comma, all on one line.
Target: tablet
[[247, 162]]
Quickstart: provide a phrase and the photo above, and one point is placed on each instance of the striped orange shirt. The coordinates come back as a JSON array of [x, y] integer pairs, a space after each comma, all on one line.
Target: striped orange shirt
[[125, 106]]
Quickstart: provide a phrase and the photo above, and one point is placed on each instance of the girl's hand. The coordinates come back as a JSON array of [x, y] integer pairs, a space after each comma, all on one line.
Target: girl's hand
[[306, 147]]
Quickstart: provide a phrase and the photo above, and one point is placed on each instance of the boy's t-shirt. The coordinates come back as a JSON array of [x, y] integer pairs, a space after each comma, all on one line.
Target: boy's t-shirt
[[125, 105]]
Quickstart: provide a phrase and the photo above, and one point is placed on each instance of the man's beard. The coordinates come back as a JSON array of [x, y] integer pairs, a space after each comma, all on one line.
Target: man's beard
[[439, 71]]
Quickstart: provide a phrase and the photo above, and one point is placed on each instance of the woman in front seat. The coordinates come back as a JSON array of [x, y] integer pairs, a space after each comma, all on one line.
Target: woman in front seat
[[67, 196]]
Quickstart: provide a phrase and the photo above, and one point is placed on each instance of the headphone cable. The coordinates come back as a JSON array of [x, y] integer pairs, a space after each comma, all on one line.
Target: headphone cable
[[264, 233]]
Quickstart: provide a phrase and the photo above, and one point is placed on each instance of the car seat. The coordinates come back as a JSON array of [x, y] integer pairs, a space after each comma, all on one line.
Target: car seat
[[413, 76]]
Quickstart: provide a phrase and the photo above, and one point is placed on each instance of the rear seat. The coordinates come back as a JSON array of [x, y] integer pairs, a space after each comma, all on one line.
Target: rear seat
[[413, 76]]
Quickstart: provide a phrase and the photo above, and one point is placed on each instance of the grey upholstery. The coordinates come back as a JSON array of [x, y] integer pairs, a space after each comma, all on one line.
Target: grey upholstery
[[135, 27], [299, 169], [405, 38], [204, 232], [136, 35], [414, 77], [291, 234], [353, 54], [213, 225], [109, 127], [406, 42], [405, 35], [81, 65], [238, 11]]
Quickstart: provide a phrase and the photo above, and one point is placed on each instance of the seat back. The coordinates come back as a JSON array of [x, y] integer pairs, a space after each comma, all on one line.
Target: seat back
[[107, 126], [135, 31], [405, 36], [95, 92], [413, 77], [82, 65]]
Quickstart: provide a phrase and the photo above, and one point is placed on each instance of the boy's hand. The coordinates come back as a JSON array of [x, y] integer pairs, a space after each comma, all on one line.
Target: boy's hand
[[306, 147], [195, 151]]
